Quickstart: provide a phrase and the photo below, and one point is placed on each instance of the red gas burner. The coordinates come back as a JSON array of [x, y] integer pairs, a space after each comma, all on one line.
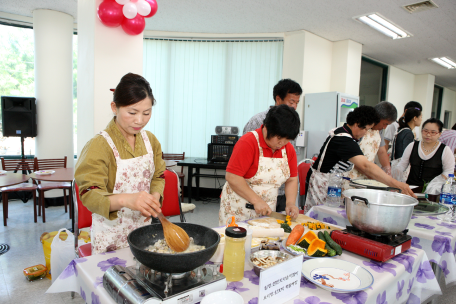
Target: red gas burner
[[376, 247]]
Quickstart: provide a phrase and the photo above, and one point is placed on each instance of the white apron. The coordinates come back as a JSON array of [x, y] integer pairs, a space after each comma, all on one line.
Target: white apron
[[318, 183], [271, 174], [133, 175], [369, 145]]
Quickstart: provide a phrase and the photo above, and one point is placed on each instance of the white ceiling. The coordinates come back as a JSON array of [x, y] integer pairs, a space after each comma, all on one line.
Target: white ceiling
[[434, 31]]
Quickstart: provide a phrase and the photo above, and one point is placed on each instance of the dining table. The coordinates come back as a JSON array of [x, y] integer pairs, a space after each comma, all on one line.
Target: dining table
[[435, 237], [10, 179], [407, 278], [59, 175]]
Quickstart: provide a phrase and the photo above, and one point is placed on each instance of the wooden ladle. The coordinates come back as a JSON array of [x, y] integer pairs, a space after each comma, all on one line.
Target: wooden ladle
[[176, 237]]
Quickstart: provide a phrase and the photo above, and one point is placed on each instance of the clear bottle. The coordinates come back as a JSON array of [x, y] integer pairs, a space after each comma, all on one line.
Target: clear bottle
[[447, 197], [234, 254], [333, 199]]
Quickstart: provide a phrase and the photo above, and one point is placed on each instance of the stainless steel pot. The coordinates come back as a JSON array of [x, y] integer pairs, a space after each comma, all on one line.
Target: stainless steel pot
[[377, 211]]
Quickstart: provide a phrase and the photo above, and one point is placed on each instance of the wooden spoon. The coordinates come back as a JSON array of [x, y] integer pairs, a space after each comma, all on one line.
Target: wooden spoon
[[176, 237]]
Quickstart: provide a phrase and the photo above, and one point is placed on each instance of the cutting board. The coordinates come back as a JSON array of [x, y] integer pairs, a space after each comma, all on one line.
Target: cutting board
[[269, 222]]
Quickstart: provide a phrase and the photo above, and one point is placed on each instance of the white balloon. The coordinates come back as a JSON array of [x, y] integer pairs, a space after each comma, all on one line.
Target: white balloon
[[143, 7], [129, 10], [122, 2]]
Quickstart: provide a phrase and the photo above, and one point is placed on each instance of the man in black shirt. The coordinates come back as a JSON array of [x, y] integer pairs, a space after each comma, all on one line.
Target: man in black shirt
[[341, 148]]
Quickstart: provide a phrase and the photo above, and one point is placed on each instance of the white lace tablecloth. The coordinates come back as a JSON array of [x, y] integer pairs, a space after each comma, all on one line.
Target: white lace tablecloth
[[408, 278], [435, 237]]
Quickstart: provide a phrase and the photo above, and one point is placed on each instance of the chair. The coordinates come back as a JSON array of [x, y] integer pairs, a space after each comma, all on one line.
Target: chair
[[82, 219], [303, 169], [171, 205], [50, 164], [181, 175], [17, 165]]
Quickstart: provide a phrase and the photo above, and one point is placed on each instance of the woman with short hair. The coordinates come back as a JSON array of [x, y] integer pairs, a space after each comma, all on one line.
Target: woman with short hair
[[428, 158]]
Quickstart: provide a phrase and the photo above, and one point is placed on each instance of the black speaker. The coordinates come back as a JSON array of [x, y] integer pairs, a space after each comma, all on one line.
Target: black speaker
[[19, 116]]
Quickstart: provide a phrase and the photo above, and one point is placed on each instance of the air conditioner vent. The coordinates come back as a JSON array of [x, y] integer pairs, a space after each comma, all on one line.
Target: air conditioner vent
[[420, 6]]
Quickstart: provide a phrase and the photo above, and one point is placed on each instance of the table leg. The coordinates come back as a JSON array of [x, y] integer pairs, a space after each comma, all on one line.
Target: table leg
[[437, 272], [197, 182], [189, 183]]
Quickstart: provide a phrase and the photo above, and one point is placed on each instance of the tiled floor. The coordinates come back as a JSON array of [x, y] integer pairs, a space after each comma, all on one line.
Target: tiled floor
[[23, 235]]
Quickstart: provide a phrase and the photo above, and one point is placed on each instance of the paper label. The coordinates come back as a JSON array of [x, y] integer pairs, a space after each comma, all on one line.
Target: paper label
[[398, 250], [281, 282], [334, 191]]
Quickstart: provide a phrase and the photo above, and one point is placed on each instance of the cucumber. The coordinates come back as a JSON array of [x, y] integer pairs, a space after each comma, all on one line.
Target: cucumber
[[331, 251], [333, 244]]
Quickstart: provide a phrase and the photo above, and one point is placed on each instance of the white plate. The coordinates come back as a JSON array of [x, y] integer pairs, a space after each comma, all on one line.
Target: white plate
[[304, 254], [223, 297], [44, 172], [337, 275], [2, 172]]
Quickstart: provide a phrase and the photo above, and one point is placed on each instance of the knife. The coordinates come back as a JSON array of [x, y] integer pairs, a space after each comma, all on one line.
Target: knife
[[273, 214]]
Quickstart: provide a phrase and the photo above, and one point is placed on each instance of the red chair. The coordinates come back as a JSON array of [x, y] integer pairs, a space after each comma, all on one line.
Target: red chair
[[171, 199], [303, 169], [82, 219], [181, 175]]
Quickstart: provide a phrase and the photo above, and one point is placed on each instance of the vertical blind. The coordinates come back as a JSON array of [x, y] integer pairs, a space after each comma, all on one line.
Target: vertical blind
[[199, 85]]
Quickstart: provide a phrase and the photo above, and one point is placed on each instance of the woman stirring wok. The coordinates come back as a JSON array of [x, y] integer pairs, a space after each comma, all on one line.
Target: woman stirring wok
[[120, 171], [341, 151], [262, 160], [427, 158]]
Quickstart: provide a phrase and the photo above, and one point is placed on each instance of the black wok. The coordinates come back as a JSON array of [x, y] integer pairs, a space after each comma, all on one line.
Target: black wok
[[145, 236]]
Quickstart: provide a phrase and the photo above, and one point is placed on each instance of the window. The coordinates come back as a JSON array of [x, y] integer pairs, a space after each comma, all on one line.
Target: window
[[447, 119], [17, 78], [437, 102], [373, 80], [199, 85]]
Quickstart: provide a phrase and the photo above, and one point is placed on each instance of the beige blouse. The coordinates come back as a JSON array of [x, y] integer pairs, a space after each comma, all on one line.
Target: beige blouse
[[96, 167]]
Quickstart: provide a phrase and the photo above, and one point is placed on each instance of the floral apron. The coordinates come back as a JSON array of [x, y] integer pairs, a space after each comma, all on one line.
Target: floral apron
[[369, 146], [318, 183], [271, 174], [133, 175]]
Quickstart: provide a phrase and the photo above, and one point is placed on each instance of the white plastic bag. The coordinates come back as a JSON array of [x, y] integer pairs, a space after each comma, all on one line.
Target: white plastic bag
[[435, 186], [62, 253]]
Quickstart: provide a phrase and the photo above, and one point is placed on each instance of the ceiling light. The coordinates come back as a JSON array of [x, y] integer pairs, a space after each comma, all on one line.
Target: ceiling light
[[382, 25], [445, 62]]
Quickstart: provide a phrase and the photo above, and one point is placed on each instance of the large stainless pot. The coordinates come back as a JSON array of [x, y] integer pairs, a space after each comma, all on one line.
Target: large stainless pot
[[377, 211]]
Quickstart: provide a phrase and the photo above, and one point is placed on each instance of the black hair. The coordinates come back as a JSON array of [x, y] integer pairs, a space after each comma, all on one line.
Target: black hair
[[454, 127], [408, 116], [386, 110], [434, 120], [131, 89], [413, 104], [363, 116], [282, 121], [284, 87]]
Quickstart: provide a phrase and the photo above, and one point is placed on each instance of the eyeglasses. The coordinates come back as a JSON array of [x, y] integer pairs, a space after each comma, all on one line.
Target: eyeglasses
[[433, 133]]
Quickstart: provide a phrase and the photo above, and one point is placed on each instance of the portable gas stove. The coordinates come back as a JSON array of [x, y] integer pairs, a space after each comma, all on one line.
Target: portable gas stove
[[376, 247], [141, 285]]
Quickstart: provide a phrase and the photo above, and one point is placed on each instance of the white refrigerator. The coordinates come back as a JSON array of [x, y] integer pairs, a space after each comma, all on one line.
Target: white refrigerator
[[323, 112]]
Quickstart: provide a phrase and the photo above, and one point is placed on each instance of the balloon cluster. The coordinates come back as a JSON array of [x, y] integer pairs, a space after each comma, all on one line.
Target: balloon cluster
[[129, 14]]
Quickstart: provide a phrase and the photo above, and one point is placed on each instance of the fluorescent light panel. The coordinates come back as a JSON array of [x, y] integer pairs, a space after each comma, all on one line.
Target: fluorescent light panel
[[382, 25], [445, 62]]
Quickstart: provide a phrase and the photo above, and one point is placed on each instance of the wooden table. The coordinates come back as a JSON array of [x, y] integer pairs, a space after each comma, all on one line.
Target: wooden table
[[10, 179], [60, 175]]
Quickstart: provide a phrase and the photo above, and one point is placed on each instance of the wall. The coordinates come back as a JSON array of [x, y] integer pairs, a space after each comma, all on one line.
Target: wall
[[400, 88]]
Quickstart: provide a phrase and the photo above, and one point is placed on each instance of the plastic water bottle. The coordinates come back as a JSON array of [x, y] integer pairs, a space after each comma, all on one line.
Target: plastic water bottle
[[448, 196], [333, 199]]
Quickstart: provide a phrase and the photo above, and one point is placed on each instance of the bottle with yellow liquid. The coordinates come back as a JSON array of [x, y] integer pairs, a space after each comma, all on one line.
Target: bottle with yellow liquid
[[234, 254]]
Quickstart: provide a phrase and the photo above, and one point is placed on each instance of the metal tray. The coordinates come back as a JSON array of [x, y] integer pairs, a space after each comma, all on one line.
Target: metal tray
[[425, 208]]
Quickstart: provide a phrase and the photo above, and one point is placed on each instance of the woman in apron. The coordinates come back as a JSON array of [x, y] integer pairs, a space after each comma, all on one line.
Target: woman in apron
[[341, 147], [372, 143], [262, 160], [120, 171]]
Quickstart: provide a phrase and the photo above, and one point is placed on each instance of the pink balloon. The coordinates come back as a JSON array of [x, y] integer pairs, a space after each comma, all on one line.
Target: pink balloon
[[110, 13], [153, 6], [134, 26]]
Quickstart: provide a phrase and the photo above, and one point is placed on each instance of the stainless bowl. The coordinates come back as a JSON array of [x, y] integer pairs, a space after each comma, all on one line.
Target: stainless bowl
[[378, 212], [264, 254]]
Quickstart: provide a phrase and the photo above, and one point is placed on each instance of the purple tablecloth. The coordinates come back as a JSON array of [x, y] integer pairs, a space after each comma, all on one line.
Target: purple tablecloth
[[435, 237]]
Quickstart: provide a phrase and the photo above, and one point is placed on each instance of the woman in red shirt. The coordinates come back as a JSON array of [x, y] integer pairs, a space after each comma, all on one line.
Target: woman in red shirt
[[262, 160]]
